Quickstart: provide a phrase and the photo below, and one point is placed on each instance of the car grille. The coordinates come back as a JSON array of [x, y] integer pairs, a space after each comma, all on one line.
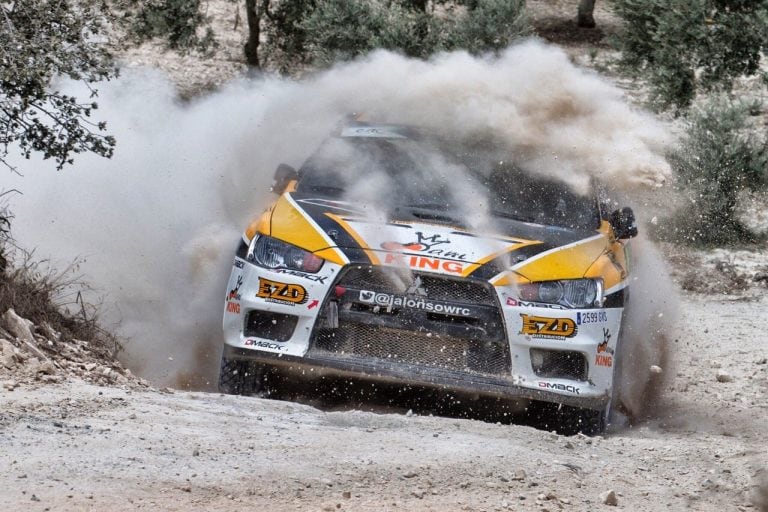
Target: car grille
[[394, 346], [396, 280], [468, 344]]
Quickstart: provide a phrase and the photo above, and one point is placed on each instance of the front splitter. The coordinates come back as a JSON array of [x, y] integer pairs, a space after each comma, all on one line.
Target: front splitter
[[327, 364]]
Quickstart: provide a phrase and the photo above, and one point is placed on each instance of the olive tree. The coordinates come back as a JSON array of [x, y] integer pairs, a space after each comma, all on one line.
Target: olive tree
[[40, 41], [686, 46]]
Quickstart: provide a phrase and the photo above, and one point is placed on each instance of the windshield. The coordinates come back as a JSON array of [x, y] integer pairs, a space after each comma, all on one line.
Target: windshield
[[427, 174]]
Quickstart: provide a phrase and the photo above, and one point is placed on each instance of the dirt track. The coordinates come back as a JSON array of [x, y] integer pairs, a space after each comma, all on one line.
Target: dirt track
[[76, 446]]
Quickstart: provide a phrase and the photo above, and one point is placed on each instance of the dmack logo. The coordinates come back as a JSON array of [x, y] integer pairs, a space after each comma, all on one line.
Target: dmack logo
[[559, 387], [275, 291], [545, 327]]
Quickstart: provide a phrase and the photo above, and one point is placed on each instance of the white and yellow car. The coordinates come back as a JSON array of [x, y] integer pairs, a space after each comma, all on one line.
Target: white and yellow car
[[407, 290]]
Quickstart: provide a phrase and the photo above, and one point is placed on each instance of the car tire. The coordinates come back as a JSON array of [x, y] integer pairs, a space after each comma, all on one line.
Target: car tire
[[590, 422], [238, 377]]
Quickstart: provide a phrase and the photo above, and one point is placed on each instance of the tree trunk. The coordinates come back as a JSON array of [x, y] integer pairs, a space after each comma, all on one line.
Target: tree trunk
[[251, 47], [586, 18]]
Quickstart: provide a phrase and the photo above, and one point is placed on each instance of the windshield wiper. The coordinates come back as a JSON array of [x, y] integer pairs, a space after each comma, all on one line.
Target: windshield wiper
[[513, 216], [429, 206], [329, 190]]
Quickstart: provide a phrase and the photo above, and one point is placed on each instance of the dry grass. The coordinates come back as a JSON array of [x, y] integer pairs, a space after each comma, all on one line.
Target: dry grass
[[53, 298]]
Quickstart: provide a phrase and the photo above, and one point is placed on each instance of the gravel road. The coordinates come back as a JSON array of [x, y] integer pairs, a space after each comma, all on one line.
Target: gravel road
[[78, 446]]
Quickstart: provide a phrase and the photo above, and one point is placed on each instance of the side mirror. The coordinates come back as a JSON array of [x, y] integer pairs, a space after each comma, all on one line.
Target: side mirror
[[283, 176], [624, 223]]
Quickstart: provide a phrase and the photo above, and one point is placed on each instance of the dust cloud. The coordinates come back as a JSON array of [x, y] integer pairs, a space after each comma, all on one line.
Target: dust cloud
[[157, 224]]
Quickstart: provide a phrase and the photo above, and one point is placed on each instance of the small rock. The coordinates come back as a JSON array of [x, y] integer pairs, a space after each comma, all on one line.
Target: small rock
[[609, 498], [409, 474], [7, 354], [46, 367], [10, 385], [762, 360], [195, 452], [418, 493], [491, 485], [34, 498], [519, 475], [724, 376], [715, 364], [346, 495], [18, 326], [656, 369]]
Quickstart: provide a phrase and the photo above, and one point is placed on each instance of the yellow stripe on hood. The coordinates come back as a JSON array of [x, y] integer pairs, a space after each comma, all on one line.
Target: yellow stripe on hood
[[566, 262], [290, 224]]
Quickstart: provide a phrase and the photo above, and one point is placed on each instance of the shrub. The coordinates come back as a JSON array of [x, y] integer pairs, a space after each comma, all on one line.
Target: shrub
[[488, 25], [306, 31], [176, 21], [344, 29], [719, 159], [682, 46]]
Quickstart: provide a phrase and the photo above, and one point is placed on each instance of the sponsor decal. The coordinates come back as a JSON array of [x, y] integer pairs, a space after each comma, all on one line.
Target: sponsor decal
[[282, 293], [313, 304], [303, 275], [591, 317], [234, 293], [390, 301], [238, 263], [250, 342], [546, 327], [515, 303], [233, 297], [559, 387], [604, 356], [426, 244], [423, 262]]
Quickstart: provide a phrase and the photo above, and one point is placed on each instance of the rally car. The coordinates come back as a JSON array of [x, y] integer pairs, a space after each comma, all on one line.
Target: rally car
[[390, 255]]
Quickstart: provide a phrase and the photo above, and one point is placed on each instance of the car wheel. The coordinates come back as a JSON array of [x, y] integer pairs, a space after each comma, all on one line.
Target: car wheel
[[590, 422], [237, 377]]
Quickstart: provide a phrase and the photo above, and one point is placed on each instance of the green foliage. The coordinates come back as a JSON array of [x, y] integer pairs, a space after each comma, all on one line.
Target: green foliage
[[41, 40], [488, 25], [301, 32], [344, 29], [176, 21], [719, 159], [684, 46], [287, 39]]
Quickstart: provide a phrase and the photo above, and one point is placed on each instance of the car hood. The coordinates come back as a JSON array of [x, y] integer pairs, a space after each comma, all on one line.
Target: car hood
[[432, 241]]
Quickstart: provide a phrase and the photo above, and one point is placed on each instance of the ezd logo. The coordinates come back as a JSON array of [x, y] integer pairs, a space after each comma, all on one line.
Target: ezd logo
[[390, 301]]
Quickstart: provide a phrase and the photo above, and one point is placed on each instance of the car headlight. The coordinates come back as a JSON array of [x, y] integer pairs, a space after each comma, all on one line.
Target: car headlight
[[572, 293], [273, 253]]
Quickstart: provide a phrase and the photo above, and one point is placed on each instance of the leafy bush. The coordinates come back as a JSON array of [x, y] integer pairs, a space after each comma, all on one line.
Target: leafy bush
[[683, 46], [344, 29], [488, 25], [719, 159], [306, 31], [177, 21]]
